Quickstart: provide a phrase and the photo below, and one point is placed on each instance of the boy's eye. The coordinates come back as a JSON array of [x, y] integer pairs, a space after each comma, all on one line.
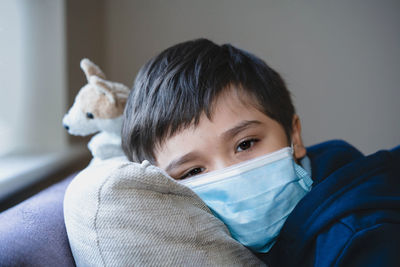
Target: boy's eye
[[191, 173], [245, 145]]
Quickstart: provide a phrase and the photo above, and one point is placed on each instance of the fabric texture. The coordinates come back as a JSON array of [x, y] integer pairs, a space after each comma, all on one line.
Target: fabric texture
[[120, 213], [351, 217], [33, 233]]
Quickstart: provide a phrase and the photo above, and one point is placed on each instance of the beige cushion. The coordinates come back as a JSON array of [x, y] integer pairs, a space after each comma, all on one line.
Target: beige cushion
[[119, 213]]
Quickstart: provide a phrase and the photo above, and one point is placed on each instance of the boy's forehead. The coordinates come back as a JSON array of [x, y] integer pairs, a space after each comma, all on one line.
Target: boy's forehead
[[233, 99], [226, 109]]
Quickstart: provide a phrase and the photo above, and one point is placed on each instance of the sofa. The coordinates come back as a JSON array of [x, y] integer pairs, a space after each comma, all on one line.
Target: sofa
[[32, 233]]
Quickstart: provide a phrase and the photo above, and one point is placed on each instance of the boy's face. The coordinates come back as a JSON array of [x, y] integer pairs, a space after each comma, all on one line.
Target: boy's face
[[236, 132]]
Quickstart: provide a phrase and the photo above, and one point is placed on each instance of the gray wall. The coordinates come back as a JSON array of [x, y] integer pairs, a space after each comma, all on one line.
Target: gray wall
[[341, 59], [85, 39]]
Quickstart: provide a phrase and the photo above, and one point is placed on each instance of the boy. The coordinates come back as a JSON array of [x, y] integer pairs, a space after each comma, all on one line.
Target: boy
[[222, 122]]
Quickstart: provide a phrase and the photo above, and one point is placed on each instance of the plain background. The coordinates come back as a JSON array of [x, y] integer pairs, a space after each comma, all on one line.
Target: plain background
[[340, 59]]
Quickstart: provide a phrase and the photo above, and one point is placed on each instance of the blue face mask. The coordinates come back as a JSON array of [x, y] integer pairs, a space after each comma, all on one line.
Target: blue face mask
[[255, 197]]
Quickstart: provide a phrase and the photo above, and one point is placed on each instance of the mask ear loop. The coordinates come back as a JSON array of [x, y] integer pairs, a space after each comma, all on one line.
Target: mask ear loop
[[292, 147]]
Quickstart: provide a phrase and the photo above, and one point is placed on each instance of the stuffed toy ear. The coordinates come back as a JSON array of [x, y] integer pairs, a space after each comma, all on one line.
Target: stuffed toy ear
[[104, 87], [91, 69]]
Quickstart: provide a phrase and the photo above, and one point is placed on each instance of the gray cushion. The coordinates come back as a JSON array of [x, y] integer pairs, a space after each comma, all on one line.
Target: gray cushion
[[120, 213], [33, 232]]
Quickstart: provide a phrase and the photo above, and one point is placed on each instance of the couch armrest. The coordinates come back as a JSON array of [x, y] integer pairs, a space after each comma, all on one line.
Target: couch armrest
[[33, 233]]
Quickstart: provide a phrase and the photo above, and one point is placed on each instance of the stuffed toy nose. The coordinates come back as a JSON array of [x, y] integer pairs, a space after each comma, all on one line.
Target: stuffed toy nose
[[66, 126]]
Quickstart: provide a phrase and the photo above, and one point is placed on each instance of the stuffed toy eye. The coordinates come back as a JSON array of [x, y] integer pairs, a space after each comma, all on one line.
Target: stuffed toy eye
[[89, 115]]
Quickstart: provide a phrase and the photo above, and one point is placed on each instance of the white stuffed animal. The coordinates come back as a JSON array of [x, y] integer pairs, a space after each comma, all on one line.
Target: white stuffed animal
[[98, 107]]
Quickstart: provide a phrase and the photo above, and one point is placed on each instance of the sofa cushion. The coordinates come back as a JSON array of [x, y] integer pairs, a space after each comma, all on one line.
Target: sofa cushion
[[33, 233], [121, 213]]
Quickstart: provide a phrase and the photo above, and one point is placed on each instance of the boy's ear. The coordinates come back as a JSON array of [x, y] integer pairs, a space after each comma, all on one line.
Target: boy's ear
[[298, 146]]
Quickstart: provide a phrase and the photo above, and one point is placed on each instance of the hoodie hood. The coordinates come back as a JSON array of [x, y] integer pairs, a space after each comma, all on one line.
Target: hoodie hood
[[345, 182]]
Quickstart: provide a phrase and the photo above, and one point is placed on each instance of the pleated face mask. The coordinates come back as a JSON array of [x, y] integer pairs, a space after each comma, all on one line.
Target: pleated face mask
[[255, 197]]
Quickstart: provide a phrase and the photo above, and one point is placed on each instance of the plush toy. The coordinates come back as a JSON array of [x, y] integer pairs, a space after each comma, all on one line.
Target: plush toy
[[98, 107]]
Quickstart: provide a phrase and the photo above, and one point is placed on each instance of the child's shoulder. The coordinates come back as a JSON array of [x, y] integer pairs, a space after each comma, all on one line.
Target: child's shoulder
[[329, 156]]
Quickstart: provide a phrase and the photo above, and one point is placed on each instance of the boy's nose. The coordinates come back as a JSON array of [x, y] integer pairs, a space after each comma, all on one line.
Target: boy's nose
[[224, 163]]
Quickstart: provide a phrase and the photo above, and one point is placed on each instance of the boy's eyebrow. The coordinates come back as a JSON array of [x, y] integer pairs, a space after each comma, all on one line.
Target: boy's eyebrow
[[229, 134], [180, 161]]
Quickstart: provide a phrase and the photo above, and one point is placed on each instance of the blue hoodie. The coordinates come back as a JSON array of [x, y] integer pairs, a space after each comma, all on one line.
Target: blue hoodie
[[351, 217]]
